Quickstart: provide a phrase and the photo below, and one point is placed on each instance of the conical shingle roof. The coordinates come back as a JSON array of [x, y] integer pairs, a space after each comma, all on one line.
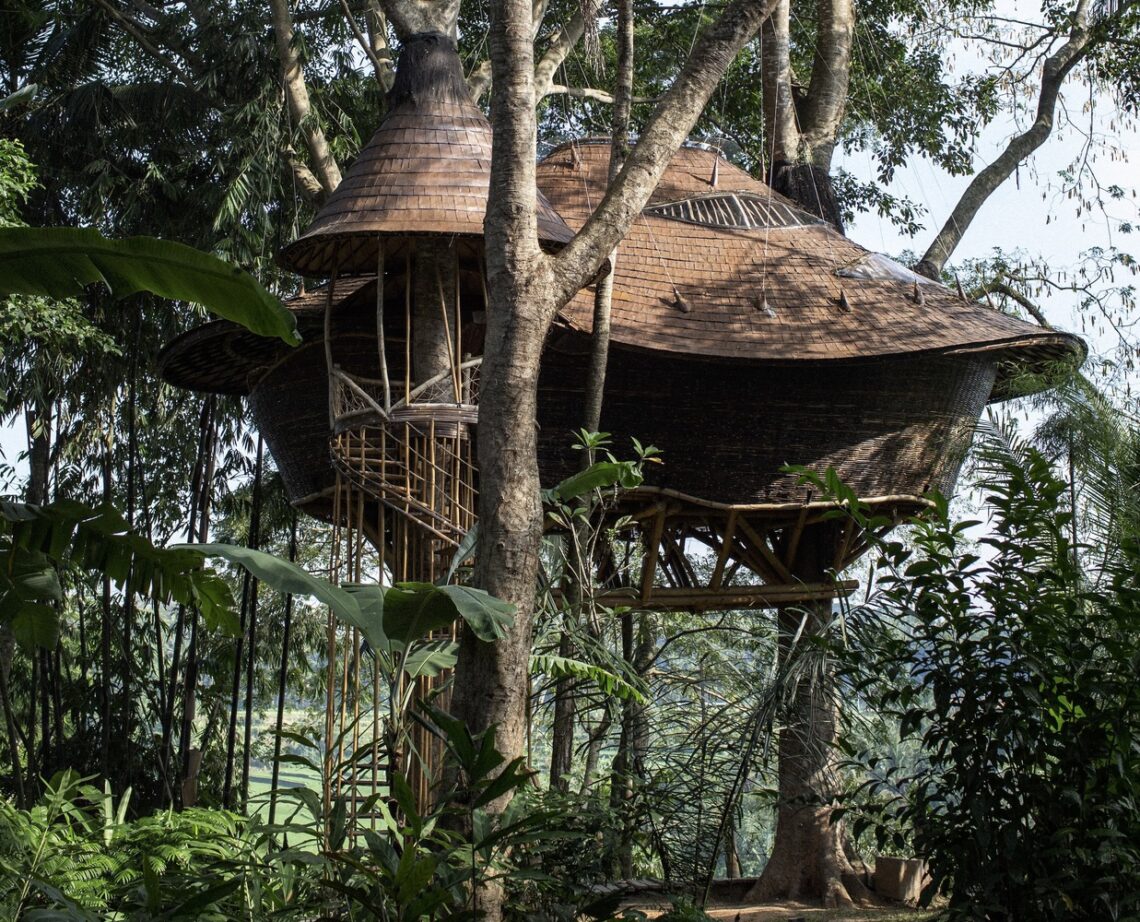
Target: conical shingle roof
[[426, 171]]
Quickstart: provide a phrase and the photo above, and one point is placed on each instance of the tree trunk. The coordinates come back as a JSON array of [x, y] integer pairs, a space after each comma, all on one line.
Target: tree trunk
[[622, 771], [594, 751], [810, 187], [125, 694], [282, 677], [293, 79], [7, 645], [251, 660], [433, 316], [781, 133], [235, 694], [106, 730], [190, 686], [525, 289], [809, 855], [801, 139], [731, 854], [562, 732]]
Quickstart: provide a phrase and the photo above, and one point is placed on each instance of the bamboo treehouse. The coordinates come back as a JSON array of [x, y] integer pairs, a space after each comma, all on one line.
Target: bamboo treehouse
[[746, 335], [371, 420]]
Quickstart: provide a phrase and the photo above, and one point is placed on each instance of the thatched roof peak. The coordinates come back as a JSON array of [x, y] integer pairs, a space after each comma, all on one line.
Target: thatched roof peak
[[426, 171]]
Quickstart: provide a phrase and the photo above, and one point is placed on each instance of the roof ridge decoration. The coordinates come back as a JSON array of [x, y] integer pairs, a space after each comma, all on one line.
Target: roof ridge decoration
[[732, 210]]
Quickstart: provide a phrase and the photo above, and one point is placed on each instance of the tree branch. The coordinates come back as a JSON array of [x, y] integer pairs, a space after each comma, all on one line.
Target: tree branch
[[589, 92], [308, 185], [479, 80], [997, 286], [666, 130], [382, 70], [378, 42], [1056, 68], [561, 44], [603, 293], [297, 94], [136, 31]]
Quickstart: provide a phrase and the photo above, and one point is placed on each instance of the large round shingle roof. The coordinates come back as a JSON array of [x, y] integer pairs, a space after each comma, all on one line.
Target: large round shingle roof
[[720, 266]]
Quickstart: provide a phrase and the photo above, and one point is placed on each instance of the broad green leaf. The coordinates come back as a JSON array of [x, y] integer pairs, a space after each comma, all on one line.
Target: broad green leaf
[[487, 616], [414, 875], [285, 577], [36, 625], [608, 683], [599, 475], [60, 262], [414, 610], [25, 577], [372, 600], [431, 658], [466, 551], [98, 540]]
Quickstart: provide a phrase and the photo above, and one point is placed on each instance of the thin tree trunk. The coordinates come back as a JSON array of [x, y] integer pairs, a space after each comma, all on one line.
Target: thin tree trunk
[[251, 661], [283, 678], [84, 656], [40, 662], [57, 691], [190, 691], [594, 751], [731, 854], [621, 785], [562, 731], [124, 735], [34, 773], [603, 293], [296, 92], [235, 695], [7, 644], [205, 424], [105, 630]]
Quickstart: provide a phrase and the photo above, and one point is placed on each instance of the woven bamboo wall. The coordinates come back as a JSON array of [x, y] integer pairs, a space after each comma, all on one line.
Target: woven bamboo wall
[[897, 426]]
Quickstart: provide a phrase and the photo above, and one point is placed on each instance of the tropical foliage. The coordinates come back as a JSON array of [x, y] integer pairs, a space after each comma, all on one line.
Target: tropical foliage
[[1011, 663], [159, 598]]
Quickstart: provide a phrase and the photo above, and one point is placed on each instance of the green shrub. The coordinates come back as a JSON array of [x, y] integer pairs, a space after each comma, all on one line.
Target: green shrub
[[1015, 668]]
